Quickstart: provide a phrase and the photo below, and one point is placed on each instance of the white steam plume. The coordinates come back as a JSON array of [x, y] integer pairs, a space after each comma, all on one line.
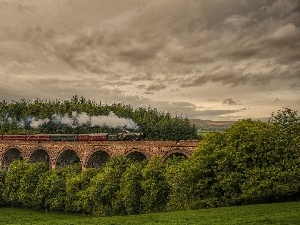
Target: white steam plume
[[113, 121], [35, 123], [79, 119]]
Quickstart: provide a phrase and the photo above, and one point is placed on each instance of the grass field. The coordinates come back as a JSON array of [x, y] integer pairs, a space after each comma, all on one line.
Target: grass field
[[279, 213]]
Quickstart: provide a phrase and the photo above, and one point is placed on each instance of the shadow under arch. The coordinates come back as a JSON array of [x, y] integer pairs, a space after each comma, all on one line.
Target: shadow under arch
[[98, 159], [137, 155], [39, 155], [175, 153], [67, 157], [11, 154]]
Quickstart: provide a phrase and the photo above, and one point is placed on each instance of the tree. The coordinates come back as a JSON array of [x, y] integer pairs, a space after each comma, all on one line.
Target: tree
[[50, 192], [29, 181], [12, 183], [128, 198], [154, 186], [99, 198]]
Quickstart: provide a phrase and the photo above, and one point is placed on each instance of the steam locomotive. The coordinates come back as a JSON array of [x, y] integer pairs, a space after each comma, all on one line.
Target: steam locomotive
[[75, 137]]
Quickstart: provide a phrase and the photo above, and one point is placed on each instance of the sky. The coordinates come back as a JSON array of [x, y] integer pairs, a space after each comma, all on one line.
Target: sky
[[205, 59]]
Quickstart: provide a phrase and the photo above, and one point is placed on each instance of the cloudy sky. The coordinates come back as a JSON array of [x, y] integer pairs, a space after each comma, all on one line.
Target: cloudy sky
[[207, 59]]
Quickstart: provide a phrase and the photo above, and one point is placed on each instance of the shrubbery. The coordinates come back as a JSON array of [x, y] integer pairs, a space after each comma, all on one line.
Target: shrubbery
[[251, 162], [15, 118]]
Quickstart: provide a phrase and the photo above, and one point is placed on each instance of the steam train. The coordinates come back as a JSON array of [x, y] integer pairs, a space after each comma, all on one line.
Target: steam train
[[74, 137]]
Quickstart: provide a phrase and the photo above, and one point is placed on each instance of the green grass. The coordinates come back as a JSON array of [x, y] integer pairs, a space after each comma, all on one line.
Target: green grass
[[279, 213]]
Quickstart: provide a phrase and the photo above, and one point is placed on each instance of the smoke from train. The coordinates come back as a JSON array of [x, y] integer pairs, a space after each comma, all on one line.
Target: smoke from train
[[78, 119]]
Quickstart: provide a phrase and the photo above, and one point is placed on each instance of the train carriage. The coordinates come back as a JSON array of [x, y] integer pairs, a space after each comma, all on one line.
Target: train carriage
[[74, 137], [92, 137], [64, 137], [13, 137], [38, 137]]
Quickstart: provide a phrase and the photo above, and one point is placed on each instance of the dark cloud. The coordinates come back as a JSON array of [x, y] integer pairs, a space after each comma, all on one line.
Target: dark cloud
[[3, 4], [148, 93], [243, 109], [156, 87], [230, 101]]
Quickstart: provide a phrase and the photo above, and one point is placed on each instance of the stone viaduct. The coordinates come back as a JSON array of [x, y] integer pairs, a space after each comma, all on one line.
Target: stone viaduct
[[90, 153]]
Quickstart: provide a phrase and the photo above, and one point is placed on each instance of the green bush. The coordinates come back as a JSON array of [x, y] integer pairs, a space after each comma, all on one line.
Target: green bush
[[75, 189], [2, 180], [50, 192], [12, 184], [128, 198], [29, 181], [100, 197], [154, 186]]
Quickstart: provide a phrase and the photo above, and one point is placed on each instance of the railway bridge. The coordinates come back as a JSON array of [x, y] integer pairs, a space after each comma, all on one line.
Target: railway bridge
[[89, 153]]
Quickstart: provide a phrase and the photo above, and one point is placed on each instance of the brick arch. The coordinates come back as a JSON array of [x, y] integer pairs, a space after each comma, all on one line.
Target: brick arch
[[96, 154], [175, 151], [37, 148], [63, 150], [11, 147], [128, 152], [96, 149], [14, 147]]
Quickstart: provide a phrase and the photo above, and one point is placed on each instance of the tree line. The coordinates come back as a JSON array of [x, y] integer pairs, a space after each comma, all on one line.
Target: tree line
[[156, 125], [251, 162]]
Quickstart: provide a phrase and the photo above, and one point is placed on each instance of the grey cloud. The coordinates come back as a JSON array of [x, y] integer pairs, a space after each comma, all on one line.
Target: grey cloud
[[277, 100], [283, 8], [3, 4], [156, 87], [233, 77], [231, 101], [216, 113], [175, 108], [143, 77], [139, 54], [162, 42], [148, 93], [37, 34], [212, 100], [225, 78], [243, 109], [21, 7], [242, 53]]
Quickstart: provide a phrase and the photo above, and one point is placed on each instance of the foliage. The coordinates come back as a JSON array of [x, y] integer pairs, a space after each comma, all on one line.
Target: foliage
[[28, 182], [100, 197], [154, 186], [2, 180], [50, 192], [12, 183], [75, 187], [15, 118], [128, 198], [251, 162]]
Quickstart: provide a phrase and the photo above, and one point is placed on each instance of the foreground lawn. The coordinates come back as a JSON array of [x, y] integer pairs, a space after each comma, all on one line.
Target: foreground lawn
[[279, 213]]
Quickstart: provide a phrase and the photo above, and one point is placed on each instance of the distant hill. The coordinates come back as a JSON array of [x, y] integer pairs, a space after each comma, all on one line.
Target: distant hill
[[211, 125]]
